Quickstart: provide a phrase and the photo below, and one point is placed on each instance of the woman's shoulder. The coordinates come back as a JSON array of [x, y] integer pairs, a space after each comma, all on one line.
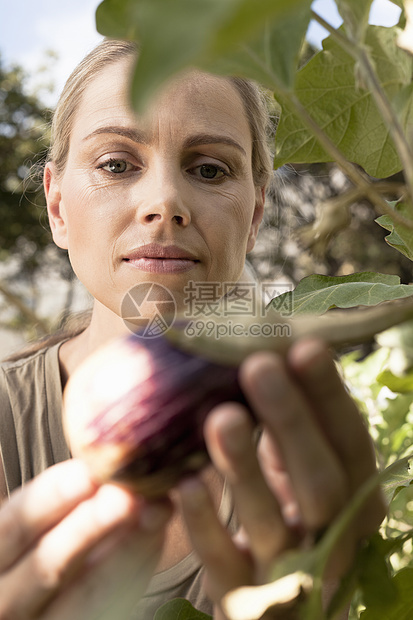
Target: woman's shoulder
[[20, 375], [31, 433], [17, 361], [28, 365]]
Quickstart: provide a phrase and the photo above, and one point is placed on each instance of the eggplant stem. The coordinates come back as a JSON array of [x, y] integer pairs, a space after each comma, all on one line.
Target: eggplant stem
[[274, 332]]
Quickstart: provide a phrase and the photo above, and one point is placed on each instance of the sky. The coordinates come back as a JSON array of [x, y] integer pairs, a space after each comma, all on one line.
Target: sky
[[29, 28]]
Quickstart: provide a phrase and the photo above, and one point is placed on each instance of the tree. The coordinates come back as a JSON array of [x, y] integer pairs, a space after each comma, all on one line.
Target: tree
[[25, 240], [23, 145]]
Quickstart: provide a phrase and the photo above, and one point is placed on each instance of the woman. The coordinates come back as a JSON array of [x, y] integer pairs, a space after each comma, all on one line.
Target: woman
[[174, 196]]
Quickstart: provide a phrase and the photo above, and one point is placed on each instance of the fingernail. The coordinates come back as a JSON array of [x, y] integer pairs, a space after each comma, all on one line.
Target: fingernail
[[272, 384], [238, 436], [309, 356], [154, 516]]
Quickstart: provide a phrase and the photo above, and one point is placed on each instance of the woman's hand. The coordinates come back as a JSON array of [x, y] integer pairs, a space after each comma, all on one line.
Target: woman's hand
[[313, 455], [70, 549]]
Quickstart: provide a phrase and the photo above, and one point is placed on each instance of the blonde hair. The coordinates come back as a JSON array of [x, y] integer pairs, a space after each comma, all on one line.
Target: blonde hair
[[110, 51]]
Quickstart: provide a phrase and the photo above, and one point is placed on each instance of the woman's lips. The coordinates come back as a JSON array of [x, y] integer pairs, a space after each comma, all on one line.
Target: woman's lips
[[157, 258], [162, 265]]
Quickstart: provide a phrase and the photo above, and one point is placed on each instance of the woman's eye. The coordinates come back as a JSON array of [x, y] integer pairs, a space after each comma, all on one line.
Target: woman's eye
[[117, 166], [211, 171]]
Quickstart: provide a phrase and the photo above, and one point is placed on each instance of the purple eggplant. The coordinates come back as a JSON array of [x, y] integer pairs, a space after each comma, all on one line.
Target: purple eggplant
[[135, 411]]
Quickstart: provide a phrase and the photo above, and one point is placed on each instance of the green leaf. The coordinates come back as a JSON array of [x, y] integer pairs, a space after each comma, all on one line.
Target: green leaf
[[401, 237], [403, 105], [180, 609], [271, 58], [118, 20], [396, 384], [370, 572], [400, 476], [374, 575], [402, 610], [247, 19], [317, 293], [326, 87], [173, 36], [186, 33]]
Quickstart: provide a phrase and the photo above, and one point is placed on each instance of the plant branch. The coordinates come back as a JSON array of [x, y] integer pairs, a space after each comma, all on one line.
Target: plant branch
[[389, 116], [332, 216]]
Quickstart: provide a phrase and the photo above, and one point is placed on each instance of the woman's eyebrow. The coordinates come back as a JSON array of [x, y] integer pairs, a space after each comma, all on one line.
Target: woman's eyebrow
[[126, 132], [141, 137], [205, 138]]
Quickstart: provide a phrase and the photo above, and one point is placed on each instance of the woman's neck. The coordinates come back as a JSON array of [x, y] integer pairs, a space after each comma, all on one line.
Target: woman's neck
[[103, 327]]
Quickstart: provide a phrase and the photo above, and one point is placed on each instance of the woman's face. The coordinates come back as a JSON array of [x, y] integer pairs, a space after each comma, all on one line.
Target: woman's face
[[166, 198]]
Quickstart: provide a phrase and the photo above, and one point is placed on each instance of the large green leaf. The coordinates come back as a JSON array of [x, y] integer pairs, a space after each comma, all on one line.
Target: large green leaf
[[179, 609], [185, 33], [402, 610], [317, 293], [171, 34], [271, 58], [374, 575], [326, 87], [401, 237], [118, 20]]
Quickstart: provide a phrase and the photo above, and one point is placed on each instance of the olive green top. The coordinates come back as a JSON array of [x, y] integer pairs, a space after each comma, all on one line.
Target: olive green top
[[32, 439]]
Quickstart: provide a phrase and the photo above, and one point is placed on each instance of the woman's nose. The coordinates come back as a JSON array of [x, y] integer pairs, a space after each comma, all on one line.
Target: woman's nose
[[165, 200]]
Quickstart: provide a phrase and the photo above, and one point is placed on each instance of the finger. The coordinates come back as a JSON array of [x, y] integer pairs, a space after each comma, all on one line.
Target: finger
[[38, 506], [229, 437], [117, 576], [316, 472], [60, 552], [278, 480], [314, 367], [339, 418], [226, 566]]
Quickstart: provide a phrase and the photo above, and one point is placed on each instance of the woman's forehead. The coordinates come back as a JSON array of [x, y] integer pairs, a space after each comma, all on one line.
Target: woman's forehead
[[194, 102]]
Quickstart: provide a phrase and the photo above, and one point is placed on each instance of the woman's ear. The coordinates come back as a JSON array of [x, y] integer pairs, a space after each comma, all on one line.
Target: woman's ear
[[256, 217], [55, 208]]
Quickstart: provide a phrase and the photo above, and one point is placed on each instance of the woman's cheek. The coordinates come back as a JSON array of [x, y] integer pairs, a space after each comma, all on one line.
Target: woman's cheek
[[238, 202]]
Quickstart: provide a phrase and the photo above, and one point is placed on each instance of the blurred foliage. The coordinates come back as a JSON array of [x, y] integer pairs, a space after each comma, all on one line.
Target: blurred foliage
[[28, 258], [382, 384], [298, 200], [24, 136]]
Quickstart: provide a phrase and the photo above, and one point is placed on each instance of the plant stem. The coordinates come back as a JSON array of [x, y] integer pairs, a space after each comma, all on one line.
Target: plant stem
[[389, 116]]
